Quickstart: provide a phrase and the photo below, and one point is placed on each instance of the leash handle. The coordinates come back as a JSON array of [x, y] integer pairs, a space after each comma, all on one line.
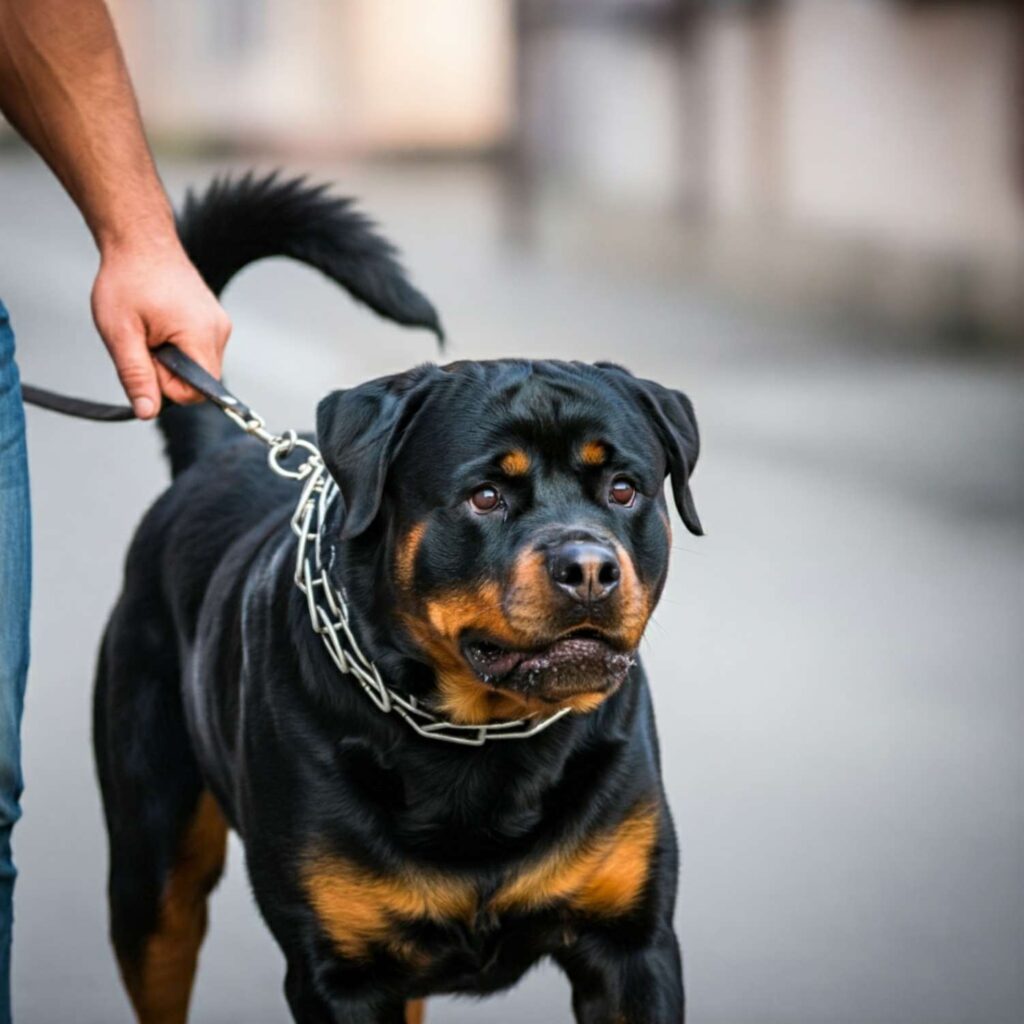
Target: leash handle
[[205, 383], [170, 356]]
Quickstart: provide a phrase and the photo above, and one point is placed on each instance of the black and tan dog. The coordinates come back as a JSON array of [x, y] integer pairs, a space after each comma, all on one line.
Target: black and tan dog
[[502, 537]]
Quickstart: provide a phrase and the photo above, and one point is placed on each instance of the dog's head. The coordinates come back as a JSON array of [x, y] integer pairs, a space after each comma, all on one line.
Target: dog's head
[[515, 514]]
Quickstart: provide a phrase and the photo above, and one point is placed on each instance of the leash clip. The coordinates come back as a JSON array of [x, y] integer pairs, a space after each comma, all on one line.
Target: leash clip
[[280, 445]]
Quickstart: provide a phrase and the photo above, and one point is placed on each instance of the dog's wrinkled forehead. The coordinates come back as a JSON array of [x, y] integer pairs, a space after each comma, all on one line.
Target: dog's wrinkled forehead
[[434, 420], [544, 408]]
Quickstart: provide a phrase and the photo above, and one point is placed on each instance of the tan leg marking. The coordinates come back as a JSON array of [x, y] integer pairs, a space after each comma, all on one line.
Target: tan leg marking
[[415, 1011], [160, 982]]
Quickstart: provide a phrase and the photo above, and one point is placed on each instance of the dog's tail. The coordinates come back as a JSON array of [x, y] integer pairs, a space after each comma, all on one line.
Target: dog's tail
[[236, 222]]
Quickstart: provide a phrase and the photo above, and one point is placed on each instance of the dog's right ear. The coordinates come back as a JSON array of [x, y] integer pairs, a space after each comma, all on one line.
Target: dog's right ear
[[360, 430]]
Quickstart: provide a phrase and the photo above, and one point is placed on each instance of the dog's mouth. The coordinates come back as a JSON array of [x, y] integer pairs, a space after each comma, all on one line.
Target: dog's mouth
[[578, 662]]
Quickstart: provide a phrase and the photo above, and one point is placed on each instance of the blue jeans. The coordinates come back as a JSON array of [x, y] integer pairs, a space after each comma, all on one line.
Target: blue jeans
[[15, 587]]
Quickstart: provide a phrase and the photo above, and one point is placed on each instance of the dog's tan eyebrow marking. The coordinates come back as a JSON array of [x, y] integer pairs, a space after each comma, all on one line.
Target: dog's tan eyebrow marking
[[515, 463], [593, 453]]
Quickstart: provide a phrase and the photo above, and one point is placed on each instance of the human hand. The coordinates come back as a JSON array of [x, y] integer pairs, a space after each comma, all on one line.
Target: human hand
[[148, 293]]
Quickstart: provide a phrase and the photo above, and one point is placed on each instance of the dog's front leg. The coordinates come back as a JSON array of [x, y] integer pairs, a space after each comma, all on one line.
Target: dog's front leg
[[314, 998], [615, 982]]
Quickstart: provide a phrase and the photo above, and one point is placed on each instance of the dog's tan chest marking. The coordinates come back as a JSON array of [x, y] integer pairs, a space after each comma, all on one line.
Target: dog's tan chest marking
[[361, 910], [603, 875]]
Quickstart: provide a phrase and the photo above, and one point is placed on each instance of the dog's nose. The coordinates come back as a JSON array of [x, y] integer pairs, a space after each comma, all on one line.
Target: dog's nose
[[588, 571]]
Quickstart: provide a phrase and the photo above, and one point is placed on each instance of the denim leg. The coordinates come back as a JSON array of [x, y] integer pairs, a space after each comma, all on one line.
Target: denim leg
[[15, 585]]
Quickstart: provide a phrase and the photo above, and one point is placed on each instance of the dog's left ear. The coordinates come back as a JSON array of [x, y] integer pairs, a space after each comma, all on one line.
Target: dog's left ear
[[671, 414], [359, 431]]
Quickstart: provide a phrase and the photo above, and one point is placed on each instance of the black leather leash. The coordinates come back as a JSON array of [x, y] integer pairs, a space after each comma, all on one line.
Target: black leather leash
[[174, 359]]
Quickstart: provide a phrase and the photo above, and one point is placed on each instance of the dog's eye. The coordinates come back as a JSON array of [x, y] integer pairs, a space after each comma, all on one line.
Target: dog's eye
[[623, 491], [485, 499]]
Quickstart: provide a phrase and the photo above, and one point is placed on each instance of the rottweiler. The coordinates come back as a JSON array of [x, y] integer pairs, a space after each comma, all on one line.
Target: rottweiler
[[501, 536]]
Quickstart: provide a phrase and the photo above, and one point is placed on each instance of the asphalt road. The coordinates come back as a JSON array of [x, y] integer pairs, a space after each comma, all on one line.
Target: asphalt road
[[836, 666]]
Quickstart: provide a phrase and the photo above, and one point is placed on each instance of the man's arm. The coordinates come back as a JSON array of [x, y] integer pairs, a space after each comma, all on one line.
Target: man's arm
[[65, 88]]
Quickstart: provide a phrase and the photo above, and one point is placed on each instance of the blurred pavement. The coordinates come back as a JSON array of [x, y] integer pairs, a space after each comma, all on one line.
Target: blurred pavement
[[836, 666]]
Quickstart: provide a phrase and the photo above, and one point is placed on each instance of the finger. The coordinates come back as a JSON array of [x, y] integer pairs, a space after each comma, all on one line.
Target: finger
[[175, 388], [136, 371]]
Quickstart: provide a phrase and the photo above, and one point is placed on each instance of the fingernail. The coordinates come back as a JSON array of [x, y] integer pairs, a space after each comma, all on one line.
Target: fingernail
[[143, 408]]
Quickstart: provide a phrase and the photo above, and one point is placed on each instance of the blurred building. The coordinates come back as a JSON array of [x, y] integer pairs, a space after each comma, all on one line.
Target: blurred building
[[321, 75], [865, 155]]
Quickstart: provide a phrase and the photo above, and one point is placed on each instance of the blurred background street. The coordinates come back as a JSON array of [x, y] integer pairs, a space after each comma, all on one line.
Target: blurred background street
[[813, 224]]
